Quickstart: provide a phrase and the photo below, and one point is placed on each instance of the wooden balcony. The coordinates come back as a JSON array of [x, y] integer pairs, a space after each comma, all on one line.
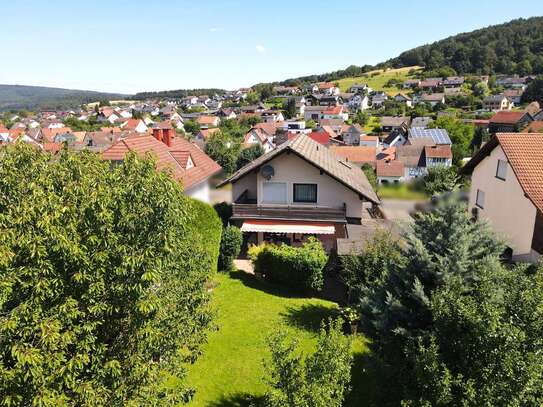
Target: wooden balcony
[[289, 212]]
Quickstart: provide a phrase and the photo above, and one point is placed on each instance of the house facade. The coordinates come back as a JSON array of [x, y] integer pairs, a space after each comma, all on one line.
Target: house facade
[[299, 189], [507, 191]]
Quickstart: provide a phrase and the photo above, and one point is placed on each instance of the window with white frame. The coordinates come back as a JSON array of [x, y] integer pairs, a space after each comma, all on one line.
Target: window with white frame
[[274, 192], [480, 199], [501, 170]]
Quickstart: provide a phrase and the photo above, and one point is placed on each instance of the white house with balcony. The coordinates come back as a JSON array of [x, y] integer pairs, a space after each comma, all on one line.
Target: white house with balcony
[[299, 189]]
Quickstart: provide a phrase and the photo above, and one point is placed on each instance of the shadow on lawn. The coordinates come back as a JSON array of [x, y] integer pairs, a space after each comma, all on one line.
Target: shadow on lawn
[[363, 381], [238, 400], [252, 281], [309, 316]]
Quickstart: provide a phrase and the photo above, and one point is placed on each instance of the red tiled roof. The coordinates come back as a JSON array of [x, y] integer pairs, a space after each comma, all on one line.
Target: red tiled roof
[[320, 137], [206, 120], [132, 123], [333, 110], [207, 133], [167, 157], [506, 117], [534, 127], [524, 152], [326, 85], [389, 168], [52, 147], [49, 134], [356, 154], [438, 151]]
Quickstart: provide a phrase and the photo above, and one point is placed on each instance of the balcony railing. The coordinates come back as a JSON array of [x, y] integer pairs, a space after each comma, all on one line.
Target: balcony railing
[[288, 212]]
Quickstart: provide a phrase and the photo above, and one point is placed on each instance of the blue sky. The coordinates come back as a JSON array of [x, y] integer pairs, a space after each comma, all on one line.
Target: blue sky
[[130, 46]]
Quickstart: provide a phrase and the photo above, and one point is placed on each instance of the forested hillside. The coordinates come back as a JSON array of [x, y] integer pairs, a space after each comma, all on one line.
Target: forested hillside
[[514, 47], [18, 97]]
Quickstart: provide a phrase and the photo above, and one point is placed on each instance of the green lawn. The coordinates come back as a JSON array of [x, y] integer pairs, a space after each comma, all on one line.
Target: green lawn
[[400, 191], [230, 370], [378, 82]]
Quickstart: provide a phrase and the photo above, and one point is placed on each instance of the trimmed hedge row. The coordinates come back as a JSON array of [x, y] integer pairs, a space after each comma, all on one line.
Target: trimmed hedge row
[[207, 224], [298, 267], [230, 247]]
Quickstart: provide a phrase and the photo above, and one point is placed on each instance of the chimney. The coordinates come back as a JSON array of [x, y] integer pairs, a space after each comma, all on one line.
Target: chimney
[[168, 137], [157, 133]]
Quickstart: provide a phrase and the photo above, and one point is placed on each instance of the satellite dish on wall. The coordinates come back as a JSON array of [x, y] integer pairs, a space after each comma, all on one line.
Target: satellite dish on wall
[[267, 172]]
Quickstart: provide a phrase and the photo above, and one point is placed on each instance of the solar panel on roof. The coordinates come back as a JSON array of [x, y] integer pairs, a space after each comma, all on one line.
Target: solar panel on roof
[[440, 136]]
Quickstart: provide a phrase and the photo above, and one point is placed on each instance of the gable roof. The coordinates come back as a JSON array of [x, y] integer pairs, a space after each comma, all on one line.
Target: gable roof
[[321, 157], [506, 117], [410, 156], [167, 157], [524, 152], [355, 154], [389, 168], [438, 151], [440, 136]]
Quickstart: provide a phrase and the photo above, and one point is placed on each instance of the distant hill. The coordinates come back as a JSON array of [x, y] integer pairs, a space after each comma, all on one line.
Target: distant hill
[[515, 47], [19, 97], [177, 94]]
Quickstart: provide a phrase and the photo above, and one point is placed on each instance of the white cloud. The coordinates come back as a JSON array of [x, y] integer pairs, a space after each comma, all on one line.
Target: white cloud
[[215, 29], [260, 49]]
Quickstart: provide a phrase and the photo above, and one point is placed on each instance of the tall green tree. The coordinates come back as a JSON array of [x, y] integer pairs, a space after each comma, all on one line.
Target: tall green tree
[[102, 298], [445, 246], [319, 380], [461, 135], [224, 149]]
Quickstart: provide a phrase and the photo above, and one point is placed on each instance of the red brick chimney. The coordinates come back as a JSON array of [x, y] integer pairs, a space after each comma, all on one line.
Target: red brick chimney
[[157, 133], [167, 136]]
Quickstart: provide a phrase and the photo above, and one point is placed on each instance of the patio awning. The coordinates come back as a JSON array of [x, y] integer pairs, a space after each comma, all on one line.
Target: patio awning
[[286, 226]]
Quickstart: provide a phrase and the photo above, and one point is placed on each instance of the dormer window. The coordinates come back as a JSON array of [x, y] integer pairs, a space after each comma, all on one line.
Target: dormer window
[[190, 163]]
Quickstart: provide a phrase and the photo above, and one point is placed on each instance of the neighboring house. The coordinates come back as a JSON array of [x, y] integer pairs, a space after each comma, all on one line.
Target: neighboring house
[[360, 88], [356, 101], [291, 126], [369, 141], [350, 134], [401, 98], [504, 122], [432, 99], [328, 88], [421, 122], [412, 158], [453, 82], [538, 116], [206, 122], [186, 161], [514, 95], [534, 127], [507, 191], [411, 83], [439, 136], [313, 112], [358, 155], [334, 113], [430, 84], [136, 125], [392, 123], [395, 138], [299, 189], [378, 100], [258, 136], [100, 140], [497, 103], [438, 156], [272, 116], [203, 136], [389, 172]]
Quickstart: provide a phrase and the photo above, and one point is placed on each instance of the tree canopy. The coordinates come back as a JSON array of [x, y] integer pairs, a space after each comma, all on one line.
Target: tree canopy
[[102, 297]]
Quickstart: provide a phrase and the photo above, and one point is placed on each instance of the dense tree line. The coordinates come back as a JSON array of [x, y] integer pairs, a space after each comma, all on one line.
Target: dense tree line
[[513, 47], [177, 94]]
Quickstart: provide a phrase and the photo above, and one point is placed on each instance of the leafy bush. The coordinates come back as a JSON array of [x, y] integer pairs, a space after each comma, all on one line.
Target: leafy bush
[[224, 210], [230, 246], [102, 281], [440, 179], [207, 222], [321, 380], [298, 267]]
